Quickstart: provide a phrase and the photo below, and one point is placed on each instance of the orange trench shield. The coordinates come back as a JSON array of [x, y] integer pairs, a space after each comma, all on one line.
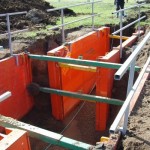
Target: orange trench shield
[[104, 85], [15, 78], [14, 139], [89, 47]]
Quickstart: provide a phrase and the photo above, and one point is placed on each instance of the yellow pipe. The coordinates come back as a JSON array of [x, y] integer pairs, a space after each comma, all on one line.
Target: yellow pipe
[[118, 37], [78, 67]]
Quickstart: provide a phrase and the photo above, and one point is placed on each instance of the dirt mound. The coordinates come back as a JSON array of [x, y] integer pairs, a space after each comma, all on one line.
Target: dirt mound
[[7, 6], [36, 14], [36, 10]]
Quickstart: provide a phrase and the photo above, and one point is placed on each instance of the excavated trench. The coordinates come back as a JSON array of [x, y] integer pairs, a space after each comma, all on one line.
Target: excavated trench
[[82, 126]]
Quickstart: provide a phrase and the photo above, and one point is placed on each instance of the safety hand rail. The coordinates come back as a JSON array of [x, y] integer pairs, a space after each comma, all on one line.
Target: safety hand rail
[[7, 15], [55, 27], [62, 25], [50, 10], [115, 126], [12, 14], [5, 95], [122, 70], [138, 5], [121, 22], [128, 25], [130, 62], [14, 32]]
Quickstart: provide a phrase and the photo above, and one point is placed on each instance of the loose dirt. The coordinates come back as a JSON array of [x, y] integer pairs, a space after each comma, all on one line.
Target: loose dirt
[[138, 132], [82, 127]]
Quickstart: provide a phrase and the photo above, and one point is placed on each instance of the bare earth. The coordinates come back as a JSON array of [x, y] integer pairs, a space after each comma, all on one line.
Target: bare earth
[[138, 134], [83, 126]]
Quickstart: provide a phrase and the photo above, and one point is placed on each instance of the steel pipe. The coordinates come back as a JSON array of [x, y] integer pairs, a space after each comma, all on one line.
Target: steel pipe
[[15, 32], [9, 34], [131, 58], [128, 25], [4, 96], [115, 126], [78, 61], [91, 98], [15, 13], [128, 8], [73, 21], [45, 135], [50, 10]]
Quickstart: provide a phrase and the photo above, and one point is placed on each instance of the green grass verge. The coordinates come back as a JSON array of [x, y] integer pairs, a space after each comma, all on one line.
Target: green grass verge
[[106, 7]]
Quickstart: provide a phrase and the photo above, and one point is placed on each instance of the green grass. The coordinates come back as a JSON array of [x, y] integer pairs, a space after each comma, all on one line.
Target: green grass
[[106, 7]]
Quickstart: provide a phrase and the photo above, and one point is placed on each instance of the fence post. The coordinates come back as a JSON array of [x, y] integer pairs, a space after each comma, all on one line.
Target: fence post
[[93, 15], [139, 21], [62, 22], [130, 84], [121, 13], [9, 33]]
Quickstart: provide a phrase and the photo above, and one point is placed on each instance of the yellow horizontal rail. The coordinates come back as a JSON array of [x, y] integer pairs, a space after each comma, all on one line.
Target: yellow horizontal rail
[[118, 37], [78, 67]]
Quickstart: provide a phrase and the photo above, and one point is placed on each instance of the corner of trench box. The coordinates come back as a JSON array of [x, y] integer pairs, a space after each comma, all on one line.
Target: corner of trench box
[[15, 75]]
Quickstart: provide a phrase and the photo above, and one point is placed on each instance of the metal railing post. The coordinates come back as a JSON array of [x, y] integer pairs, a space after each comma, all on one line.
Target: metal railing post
[[121, 22], [139, 21], [127, 63], [130, 85], [93, 15], [62, 22], [114, 126], [9, 33]]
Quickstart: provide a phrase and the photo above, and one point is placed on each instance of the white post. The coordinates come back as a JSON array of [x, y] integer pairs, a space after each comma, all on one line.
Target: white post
[[62, 22], [9, 33]]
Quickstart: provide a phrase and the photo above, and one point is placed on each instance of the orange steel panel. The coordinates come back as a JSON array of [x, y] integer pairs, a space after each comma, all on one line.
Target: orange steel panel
[[15, 79], [104, 86], [89, 47], [14, 139], [130, 40]]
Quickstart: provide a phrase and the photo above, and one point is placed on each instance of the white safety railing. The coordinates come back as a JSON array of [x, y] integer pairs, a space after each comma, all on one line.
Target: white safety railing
[[121, 22], [62, 16], [5, 95], [130, 62], [7, 15], [121, 121], [9, 33]]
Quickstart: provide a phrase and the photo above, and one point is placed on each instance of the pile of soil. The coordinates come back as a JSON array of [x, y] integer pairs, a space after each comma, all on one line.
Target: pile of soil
[[36, 14]]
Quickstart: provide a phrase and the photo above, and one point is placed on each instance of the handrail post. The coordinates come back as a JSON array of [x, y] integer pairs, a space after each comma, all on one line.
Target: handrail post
[[121, 22], [62, 22], [139, 21], [92, 14], [9, 33], [130, 84]]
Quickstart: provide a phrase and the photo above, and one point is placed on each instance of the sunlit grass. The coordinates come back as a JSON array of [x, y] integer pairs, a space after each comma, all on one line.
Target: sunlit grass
[[105, 8]]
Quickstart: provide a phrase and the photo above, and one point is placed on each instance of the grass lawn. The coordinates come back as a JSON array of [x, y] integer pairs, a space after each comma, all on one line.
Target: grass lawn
[[105, 7]]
